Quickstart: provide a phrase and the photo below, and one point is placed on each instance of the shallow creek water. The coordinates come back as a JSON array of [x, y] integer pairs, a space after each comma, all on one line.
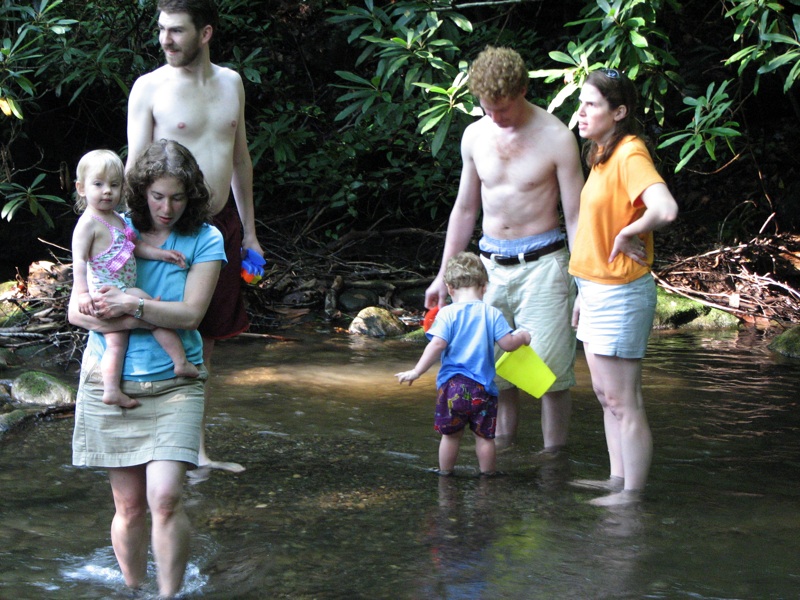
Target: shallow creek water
[[336, 501]]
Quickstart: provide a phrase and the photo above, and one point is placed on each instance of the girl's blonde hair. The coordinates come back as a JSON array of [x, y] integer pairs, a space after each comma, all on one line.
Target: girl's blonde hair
[[465, 269], [104, 162]]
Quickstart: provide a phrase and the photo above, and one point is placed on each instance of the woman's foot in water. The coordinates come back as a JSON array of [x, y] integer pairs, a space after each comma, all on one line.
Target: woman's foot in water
[[612, 484], [618, 499]]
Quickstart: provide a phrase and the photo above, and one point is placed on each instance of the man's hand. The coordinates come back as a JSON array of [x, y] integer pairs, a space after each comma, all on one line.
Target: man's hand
[[436, 294], [251, 242]]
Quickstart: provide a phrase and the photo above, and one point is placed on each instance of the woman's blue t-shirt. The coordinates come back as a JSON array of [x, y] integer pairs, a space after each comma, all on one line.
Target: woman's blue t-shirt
[[145, 359], [471, 330]]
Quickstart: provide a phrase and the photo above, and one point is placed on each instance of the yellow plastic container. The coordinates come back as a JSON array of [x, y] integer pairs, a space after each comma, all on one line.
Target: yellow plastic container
[[526, 370]]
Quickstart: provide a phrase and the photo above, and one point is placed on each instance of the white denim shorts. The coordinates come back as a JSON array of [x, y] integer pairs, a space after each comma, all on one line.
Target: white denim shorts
[[616, 320]]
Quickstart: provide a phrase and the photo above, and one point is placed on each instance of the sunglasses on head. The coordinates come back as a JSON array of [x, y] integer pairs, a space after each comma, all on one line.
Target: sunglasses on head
[[610, 73]]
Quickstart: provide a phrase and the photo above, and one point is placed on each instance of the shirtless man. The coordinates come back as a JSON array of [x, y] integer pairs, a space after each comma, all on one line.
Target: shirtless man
[[201, 105], [518, 160]]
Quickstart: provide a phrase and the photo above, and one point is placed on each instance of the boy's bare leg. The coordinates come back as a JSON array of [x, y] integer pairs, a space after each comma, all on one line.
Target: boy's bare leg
[[485, 450], [448, 451]]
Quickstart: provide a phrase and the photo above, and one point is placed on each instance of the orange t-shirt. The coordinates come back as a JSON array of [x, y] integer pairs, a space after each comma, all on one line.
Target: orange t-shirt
[[610, 200]]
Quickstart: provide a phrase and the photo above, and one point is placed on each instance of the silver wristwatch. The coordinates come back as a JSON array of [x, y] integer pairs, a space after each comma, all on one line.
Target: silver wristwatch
[[139, 309]]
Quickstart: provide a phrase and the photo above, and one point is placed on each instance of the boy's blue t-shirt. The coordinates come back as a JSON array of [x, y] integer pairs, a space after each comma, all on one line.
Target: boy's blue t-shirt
[[471, 330], [145, 359]]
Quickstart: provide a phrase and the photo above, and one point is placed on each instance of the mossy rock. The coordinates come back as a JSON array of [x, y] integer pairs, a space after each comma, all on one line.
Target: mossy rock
[[34, 387], [14, 419], [714, 319], [416, 335], [377, 322], [674, 311], [787, 343]]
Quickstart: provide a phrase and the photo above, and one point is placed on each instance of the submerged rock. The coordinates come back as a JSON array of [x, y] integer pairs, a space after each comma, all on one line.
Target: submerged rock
[[39, 388], [787, 343], [377, 322], [9, 421]]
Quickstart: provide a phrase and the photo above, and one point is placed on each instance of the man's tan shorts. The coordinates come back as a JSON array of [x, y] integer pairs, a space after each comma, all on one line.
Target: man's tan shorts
[[538, 296]]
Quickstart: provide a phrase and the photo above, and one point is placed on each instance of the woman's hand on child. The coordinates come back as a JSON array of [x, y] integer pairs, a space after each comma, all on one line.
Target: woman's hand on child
[[408, 376]]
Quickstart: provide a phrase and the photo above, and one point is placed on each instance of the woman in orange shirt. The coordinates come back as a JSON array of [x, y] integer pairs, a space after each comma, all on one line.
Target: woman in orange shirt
[[623, 202]]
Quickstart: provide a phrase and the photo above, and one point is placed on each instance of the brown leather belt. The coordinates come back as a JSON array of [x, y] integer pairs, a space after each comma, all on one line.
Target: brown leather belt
[[531, 256]]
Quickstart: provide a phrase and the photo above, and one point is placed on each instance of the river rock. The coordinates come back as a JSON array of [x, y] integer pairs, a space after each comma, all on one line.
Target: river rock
[[11, 420], [377, 322], [787, 343], [6, 357], [354, 300], [39, 388], [411, 298]]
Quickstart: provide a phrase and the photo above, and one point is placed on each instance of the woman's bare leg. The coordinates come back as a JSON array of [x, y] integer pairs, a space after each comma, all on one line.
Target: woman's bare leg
[[129, 526], [630, 442], [171, 529]]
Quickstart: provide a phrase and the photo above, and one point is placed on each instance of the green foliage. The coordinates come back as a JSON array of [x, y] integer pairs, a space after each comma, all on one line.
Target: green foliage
[[405, 49], [350, 140], [409, 45], [771, 39], [709, 124], [18, 196], [26, 31]]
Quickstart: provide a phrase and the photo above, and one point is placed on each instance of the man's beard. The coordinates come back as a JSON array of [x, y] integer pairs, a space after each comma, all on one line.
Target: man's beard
[[183, 58]]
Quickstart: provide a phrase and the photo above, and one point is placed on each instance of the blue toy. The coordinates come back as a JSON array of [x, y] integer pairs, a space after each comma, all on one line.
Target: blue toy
[[253, 267]]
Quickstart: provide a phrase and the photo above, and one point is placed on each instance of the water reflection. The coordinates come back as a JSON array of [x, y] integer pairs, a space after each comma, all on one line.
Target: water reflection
[[337, 501]]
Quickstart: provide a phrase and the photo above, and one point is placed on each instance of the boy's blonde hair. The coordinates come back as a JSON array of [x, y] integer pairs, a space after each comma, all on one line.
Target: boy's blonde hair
[[104, 162], [498, 73], [465, 269]]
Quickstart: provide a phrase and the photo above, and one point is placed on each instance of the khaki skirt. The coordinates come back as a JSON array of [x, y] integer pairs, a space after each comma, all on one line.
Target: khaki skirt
[[166, 426]]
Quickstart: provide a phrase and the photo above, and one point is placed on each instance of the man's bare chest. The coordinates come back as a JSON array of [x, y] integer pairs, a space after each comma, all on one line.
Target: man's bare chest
[[519, 162], [190, 112]]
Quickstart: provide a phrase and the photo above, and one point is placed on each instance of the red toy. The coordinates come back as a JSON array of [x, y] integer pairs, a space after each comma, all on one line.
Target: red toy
[[430, 316]]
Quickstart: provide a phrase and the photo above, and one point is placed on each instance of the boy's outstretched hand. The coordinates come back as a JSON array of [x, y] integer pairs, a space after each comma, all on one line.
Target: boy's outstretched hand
[[408, 376]]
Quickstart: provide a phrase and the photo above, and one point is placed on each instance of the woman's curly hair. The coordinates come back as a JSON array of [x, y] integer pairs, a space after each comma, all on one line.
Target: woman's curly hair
[[167, 158], [498, 73]]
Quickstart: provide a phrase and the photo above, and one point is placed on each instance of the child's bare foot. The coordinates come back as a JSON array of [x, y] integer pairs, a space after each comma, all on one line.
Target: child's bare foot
[[117, 398], [186, 369]]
